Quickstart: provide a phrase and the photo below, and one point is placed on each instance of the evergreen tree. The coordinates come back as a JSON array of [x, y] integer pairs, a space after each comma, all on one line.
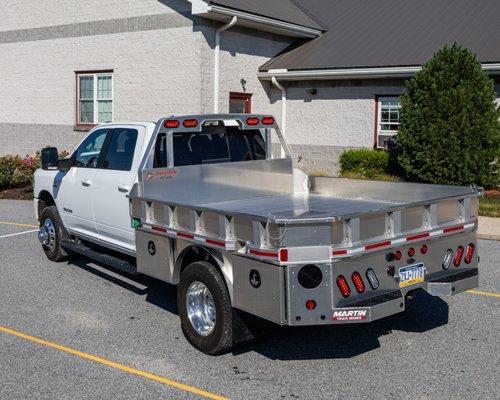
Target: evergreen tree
[[450, 131]]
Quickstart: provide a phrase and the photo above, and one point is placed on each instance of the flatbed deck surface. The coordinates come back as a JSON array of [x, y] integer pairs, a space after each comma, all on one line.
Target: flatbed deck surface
[[297, 207]]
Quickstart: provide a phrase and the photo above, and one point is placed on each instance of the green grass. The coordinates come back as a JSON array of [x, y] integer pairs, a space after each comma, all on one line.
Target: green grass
[[489, 207], [376, 177]]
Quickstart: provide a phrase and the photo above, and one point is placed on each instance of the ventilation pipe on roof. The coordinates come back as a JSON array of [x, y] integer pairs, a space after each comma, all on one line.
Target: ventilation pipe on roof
[[217, 61], [283, 110]]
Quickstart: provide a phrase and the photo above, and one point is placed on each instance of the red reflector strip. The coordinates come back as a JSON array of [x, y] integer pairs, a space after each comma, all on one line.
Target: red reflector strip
[[416, 237], [378, 245], [339, 252], [185, 235], [453, 229], [263, 253], [215, 242], [159, 229]]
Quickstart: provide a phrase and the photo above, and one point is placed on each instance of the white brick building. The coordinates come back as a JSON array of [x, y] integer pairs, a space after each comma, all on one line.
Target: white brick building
[[68, 64]]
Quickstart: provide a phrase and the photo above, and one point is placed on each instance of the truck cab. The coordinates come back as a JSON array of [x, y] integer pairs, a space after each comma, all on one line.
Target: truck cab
[[91, 196]]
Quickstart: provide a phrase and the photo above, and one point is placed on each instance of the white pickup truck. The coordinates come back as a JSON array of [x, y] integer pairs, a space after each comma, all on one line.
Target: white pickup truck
[[200, 202]]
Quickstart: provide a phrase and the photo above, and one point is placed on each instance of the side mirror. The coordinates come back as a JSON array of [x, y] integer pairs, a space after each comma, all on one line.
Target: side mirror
[[49, 158]]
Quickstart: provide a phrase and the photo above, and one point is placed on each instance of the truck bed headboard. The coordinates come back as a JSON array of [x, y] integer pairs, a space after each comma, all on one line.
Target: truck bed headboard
[[207, 183]]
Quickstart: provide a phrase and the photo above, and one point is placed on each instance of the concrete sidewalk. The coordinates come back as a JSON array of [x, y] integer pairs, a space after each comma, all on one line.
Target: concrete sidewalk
[[489, 228]]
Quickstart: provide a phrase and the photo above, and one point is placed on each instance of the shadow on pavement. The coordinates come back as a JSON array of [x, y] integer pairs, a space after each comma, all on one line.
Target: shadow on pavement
[[423, 313]]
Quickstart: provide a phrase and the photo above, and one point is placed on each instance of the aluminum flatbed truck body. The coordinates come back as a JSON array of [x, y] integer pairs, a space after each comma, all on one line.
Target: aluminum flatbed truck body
[[303, 250], [203, 202]]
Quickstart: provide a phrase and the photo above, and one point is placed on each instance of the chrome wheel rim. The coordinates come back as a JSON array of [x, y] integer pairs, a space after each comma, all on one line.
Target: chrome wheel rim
[[47, 235], [201, 308]]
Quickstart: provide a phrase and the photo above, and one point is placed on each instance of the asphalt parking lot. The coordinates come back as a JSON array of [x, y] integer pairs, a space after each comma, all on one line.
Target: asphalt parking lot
[[79, 330]]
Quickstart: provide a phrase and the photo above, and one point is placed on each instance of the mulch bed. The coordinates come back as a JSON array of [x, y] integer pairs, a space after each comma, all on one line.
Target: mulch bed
[[22, 193], [492, 194]]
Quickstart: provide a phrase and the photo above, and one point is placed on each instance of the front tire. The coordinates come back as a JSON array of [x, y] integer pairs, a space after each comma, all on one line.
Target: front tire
[[205, 309], [51, 233]]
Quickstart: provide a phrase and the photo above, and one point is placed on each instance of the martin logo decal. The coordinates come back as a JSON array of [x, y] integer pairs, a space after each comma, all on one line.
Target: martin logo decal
[[350, 314]]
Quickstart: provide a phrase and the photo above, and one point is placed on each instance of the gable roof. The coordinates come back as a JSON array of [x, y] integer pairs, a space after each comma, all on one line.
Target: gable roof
[[393, 33]]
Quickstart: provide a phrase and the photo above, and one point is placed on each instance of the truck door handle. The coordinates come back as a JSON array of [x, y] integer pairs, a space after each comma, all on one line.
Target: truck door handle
[[86, 182], [124, 188]]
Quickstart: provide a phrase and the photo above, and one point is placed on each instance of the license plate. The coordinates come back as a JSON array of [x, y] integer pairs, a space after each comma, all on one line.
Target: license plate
[[411, 275]]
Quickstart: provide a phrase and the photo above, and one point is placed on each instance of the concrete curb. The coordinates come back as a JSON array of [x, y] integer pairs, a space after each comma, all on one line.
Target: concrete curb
[[489, 228], [488, 237]]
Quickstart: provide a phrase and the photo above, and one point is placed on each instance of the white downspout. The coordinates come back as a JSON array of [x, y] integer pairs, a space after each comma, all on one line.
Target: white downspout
[[217, 61], [283, 110]]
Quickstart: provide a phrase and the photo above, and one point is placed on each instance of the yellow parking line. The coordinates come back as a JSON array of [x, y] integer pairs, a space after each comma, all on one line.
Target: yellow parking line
[[489, 294], [18, 224], [114, 365]]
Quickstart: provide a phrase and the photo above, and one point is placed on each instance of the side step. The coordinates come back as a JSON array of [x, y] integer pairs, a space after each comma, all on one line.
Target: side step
[[107, 259]]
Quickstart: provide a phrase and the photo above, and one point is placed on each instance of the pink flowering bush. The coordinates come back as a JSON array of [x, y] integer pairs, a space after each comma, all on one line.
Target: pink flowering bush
[[17, 171]]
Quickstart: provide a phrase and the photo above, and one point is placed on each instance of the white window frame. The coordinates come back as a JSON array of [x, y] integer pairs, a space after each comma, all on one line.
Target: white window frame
[[381, 132], [95, 75]]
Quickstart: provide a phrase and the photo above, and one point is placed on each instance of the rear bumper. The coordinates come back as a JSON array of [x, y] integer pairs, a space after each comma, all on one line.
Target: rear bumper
[[391, 303], [453, 284]]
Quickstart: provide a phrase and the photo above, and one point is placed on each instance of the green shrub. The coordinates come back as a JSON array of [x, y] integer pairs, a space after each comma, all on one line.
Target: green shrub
[[366, 163], [449, 131]]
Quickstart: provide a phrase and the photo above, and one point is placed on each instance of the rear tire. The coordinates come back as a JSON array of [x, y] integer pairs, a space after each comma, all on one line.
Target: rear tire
[[49, 218], [205, 309]]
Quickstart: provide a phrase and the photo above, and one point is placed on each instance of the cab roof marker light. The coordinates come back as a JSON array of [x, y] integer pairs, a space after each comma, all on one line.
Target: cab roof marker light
[[252, 121], [171, 124], [190, 123]]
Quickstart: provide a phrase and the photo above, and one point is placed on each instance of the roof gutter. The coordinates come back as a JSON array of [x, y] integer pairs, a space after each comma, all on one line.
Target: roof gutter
[[201, 8], [353, 73]]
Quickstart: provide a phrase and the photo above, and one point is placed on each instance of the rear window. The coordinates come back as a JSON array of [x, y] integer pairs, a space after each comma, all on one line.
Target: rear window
[[215, 144]]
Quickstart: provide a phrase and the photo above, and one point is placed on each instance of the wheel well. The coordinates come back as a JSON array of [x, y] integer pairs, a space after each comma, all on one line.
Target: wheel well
[[45, 199], [192, 254]]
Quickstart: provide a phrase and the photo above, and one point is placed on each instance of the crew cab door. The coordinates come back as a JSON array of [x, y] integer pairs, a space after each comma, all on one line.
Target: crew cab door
[[72, 190], [112, 183]]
